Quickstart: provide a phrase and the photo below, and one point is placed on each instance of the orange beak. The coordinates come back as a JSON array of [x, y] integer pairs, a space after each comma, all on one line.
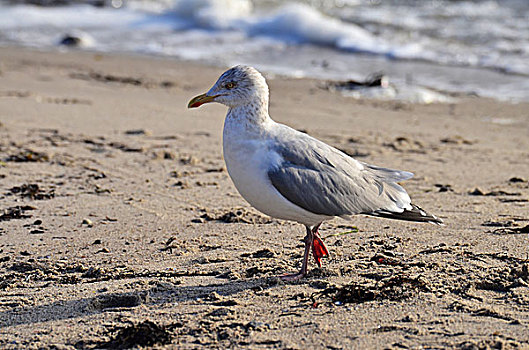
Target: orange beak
[[199, 100]]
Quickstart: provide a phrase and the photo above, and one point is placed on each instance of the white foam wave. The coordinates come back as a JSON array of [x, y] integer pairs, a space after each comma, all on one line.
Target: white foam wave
[[213, 14], [24, 16], [222, 31], [303, 24], [290, 23]]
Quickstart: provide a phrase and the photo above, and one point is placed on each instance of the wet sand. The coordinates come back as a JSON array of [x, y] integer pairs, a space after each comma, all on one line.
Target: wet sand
[[119, 225]]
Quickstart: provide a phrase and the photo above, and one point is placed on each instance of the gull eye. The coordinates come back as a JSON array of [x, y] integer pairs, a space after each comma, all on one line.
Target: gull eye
[[230, 85]]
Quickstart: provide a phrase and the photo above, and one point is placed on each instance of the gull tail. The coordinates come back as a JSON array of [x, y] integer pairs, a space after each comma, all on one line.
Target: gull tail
[[415, 214]]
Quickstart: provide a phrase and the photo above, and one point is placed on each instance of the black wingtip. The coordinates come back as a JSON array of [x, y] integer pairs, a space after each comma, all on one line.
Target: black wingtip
[[416, 214]]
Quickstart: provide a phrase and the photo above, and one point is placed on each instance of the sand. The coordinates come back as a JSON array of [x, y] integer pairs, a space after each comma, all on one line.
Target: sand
[[119, 225]]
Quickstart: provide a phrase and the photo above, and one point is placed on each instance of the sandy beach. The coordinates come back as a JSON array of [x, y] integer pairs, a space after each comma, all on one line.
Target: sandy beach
[[120, 227]]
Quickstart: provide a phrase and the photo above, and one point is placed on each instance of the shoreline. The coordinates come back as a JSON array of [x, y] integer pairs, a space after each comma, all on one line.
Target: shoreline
[[117, 210], [439, 92]]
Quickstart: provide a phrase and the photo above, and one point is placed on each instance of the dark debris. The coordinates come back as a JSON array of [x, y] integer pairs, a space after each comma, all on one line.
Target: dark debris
[[146, 333], [28, 155], [395, 288], [236, 216], [17, 212], [32, 191], [511, 230]]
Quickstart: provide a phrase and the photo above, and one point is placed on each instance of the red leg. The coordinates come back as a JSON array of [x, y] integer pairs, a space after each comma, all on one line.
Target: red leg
[[313, 242], [308, 244], [319, 249]]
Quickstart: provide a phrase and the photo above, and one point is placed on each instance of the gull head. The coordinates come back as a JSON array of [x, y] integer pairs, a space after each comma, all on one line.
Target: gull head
[[238, 86]]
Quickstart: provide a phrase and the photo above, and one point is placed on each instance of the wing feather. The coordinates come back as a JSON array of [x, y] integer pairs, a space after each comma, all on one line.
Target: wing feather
[[326, 181]]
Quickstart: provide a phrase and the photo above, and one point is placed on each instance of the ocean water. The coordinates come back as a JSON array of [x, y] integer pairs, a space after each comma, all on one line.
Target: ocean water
[[429, 50]]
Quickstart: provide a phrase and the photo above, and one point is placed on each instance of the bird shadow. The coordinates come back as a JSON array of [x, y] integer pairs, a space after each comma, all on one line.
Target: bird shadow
[[161, 293]]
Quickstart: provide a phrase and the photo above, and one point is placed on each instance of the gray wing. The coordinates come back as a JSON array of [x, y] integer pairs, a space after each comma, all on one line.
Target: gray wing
[[325, 181]]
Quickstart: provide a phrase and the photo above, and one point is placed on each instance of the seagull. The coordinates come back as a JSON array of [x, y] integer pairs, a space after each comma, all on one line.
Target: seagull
[[289, 175]]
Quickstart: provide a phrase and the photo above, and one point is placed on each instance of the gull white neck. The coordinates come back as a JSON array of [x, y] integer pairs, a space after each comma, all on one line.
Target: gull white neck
[[255, 112]]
